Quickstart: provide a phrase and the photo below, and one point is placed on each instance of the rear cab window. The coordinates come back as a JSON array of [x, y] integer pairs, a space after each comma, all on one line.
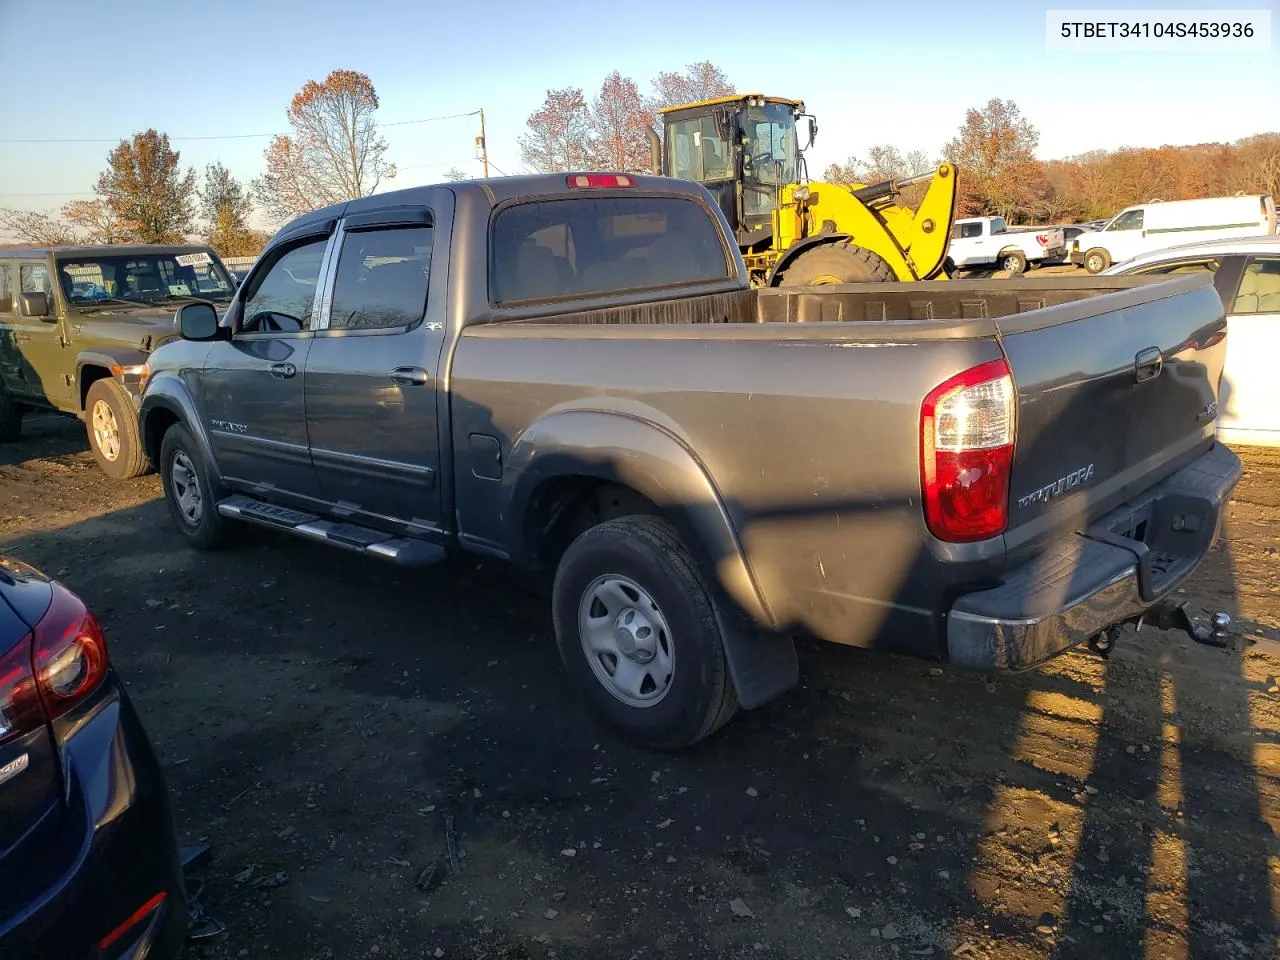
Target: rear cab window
[[578, 247]]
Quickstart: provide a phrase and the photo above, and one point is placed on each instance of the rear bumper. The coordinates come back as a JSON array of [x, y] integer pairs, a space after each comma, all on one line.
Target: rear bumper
[[1055, 253], [1122, 566], [1077, 257]]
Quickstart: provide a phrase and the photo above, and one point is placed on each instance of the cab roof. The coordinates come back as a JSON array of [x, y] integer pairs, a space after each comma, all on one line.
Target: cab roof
[[103, 249], [747, 99]]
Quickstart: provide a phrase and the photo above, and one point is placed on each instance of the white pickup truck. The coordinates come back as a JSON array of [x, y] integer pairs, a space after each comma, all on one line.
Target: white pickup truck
[[988, 241]]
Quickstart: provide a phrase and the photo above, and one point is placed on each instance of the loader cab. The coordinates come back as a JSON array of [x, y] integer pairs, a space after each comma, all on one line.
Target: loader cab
[[743, 149]]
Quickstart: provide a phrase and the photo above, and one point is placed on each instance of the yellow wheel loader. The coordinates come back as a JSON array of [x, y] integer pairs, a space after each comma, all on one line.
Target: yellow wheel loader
[[794, 232]]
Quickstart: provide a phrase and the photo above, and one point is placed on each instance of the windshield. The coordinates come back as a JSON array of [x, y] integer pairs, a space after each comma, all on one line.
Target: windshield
[[144, 278], [770, 155], [696, 151]]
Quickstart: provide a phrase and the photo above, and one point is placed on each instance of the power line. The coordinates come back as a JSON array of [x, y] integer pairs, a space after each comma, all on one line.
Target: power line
[[230, 136]]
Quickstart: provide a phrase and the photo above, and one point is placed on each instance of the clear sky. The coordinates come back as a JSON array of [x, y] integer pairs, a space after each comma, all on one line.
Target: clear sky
[[899, 72]]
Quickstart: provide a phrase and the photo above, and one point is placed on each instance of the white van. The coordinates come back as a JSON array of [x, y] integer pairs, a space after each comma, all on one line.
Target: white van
[[1153, 226]]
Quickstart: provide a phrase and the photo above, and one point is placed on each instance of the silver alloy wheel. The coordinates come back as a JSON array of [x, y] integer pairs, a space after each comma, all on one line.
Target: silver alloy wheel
[[1010, 263], [106, 432], [626, 640], [186, 488]]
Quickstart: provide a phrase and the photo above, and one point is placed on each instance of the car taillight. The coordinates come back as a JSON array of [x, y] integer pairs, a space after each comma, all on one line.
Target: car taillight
[[1042, 239], [20, 711], [68, 652], [966, 453]]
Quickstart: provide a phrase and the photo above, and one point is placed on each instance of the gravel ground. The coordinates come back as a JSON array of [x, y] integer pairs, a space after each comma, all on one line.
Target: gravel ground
[[328, 723]]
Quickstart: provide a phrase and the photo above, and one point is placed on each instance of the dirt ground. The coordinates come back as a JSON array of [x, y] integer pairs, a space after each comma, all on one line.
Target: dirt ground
[[324, 719]]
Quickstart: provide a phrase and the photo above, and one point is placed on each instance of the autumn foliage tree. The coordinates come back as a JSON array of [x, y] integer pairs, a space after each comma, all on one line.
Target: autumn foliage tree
[[995, 152], [226, 207], [560, 133], [335, 152], [568, 133], [36, 227], [147, 191]]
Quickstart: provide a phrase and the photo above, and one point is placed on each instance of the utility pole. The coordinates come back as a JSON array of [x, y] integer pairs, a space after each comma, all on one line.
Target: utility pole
[[483, 145]]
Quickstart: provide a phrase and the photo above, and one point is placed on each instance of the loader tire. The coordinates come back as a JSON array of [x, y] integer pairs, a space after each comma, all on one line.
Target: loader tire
[[833, 263]]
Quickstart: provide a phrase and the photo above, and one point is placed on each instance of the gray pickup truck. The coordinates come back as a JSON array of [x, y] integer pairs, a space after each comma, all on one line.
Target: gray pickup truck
[[572, 373]]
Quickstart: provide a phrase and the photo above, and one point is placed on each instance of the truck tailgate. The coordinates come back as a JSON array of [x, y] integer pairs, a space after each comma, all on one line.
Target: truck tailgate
[[1114, 393]]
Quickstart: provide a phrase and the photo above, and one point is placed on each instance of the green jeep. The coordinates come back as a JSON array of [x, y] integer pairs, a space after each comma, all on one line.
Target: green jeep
[[77, 325]]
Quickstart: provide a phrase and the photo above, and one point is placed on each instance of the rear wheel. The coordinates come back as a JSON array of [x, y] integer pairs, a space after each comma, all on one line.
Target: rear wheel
[[1015, 261], [637, 631], [833, 263], [1097, 260], [112, 425], [190, 494], [10, 417]]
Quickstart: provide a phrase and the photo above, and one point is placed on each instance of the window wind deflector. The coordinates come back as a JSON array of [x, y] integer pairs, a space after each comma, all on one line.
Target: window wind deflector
[[319, 228], [396, 217]]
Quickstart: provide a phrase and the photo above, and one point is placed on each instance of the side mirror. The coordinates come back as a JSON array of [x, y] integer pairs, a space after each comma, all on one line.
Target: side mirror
[[813, 131], [37, 305], [196, 321]]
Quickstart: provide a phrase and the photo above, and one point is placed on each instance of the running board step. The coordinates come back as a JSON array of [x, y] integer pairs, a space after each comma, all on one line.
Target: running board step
[[386, 546]]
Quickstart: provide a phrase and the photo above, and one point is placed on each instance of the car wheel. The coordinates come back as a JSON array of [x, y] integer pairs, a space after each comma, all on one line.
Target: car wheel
[[112, 425], [1097, 260], [190, 493], [10, 417], [1013, 261], [836, 263], [637, 632]]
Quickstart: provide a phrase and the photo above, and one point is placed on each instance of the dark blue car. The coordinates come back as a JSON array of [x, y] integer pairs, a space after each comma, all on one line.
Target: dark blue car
[[89, 857]]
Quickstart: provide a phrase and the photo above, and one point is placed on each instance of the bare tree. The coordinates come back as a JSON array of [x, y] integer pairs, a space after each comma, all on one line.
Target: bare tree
[[700, 81], [36, 228], [620, 118], [335, 152], [453, 174], [96, 220]]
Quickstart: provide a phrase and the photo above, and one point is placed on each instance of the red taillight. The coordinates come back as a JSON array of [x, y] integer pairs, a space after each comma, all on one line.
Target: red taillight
[[69, 653], [600, 180], [966, 453], [1042, 239], [20, 711]]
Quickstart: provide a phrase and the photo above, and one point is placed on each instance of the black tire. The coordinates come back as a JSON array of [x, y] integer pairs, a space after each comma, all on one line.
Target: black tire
[[1096, 260], [10, 417], [700, 697], [839, 262], [211, 530], [1014, 261], [130, 459]]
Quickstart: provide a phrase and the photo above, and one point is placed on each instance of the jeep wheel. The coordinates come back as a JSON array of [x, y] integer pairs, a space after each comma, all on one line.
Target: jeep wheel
[[637, 632], [112, 424], [10, 417], [190, 494]]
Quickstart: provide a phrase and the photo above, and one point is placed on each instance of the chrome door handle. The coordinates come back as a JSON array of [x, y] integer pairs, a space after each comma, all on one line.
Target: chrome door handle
[[409, 376], [1148, 364], [283, 371]]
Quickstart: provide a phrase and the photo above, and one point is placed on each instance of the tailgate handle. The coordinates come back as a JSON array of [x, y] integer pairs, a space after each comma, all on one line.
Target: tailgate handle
[[1148, 364]]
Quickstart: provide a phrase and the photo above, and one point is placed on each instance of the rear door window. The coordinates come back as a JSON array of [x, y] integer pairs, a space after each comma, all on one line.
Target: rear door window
[[578, 247], [382, 279]]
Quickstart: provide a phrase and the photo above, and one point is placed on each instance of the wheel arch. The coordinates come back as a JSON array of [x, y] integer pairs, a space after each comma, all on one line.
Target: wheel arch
[[166, 403], [800, 246], [627, 465]]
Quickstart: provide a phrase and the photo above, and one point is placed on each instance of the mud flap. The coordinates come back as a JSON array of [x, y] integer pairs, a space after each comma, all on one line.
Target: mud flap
[[762, 664]]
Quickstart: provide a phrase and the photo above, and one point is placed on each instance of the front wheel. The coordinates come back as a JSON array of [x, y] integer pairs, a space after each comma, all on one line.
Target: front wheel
[[1097, 260], [835, 263], [190, 494], [637, 631], [112, 424]]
